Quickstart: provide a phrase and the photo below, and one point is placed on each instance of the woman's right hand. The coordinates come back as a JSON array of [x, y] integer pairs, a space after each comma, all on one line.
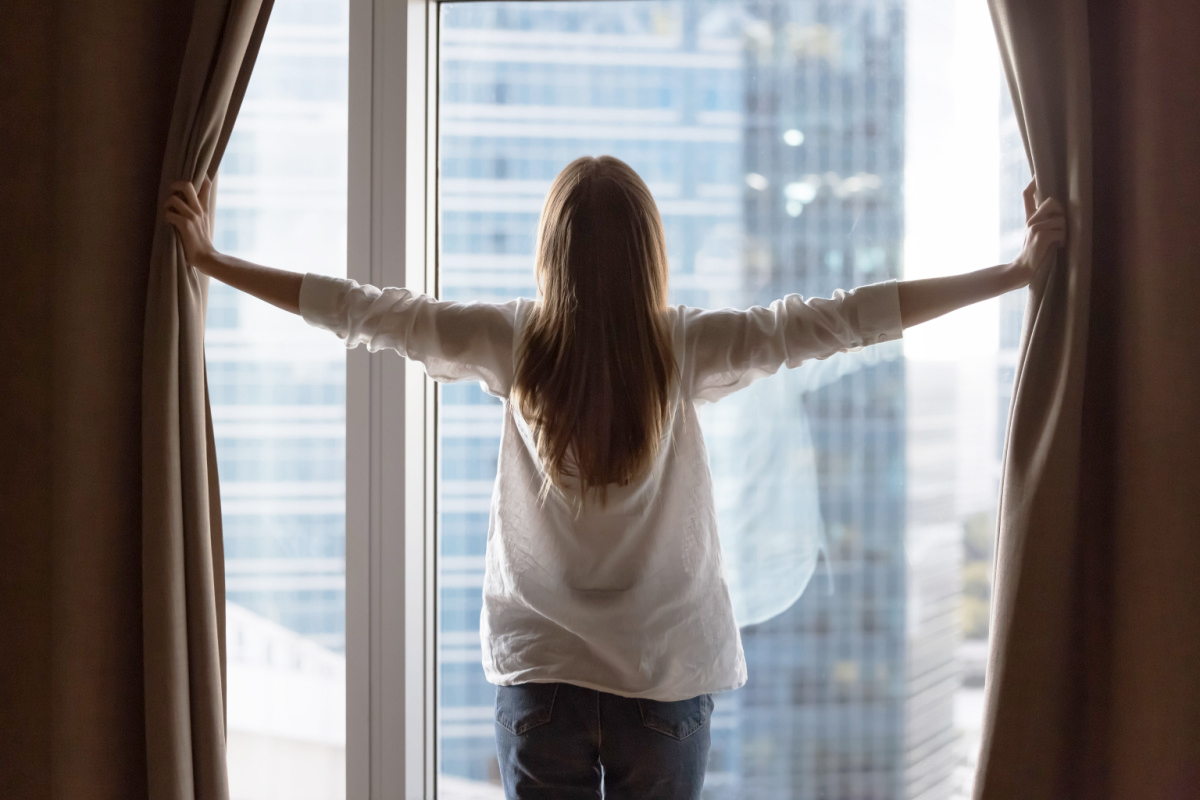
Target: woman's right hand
[[1045, 229], [187, 212]]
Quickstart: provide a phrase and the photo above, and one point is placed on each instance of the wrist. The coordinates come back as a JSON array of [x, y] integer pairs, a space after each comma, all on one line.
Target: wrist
[[1016, 275], [205, 261]]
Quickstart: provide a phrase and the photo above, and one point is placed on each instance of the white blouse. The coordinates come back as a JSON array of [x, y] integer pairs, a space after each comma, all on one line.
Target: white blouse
[[631, 597]]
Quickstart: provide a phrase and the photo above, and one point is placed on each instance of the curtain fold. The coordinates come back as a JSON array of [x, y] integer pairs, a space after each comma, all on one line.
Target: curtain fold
[[182, 561], [1036, 692]]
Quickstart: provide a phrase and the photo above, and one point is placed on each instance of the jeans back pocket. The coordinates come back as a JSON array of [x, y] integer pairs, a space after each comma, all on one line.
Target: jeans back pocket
[[678, 719], [525, 706]]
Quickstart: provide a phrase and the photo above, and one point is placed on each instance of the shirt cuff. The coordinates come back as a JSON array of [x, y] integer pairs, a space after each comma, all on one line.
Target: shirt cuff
[[879, 312], [321, 300]]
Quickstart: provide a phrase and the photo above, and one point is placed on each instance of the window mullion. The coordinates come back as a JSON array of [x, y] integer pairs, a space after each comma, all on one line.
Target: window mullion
[[388, 513]]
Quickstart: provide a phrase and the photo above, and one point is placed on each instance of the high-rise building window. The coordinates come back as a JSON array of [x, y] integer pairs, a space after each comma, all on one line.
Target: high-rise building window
[[277, 389], [792, 146]]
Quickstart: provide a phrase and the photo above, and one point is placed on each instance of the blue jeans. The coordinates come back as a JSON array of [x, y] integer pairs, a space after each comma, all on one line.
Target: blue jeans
[[560, 742]]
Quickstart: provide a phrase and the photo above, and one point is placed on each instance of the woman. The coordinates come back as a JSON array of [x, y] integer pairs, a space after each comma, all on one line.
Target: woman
[[607, 623]]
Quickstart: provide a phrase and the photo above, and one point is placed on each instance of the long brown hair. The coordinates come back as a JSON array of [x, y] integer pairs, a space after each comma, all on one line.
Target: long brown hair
[[595, 365]]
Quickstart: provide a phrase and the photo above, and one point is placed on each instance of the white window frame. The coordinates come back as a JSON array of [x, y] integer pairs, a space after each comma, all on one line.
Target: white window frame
[[390, 408]]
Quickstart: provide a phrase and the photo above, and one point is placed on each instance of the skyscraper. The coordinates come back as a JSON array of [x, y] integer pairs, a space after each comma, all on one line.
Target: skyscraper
[[277, 386], [824, 712]]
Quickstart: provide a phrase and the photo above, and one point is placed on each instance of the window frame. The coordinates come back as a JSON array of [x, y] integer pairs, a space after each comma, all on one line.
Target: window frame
[[390, 602]]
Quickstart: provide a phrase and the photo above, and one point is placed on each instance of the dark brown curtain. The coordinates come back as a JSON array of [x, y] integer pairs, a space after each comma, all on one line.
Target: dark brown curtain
[[1146, 93], [110, 672], [1092, 689]]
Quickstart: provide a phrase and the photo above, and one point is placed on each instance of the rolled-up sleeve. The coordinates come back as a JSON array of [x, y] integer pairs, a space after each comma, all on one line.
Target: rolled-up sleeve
[[453, 341], [729, 349]]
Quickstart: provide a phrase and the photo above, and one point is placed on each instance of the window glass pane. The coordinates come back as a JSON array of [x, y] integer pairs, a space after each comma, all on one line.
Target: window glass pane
[[277, 388], [792, 146]]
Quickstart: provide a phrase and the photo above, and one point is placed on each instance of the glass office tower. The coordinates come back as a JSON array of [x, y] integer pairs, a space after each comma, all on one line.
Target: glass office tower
[[823, 714]]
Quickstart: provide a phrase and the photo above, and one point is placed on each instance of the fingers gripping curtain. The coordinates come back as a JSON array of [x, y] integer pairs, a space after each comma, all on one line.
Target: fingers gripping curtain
[[1035, 706], [183, 564]]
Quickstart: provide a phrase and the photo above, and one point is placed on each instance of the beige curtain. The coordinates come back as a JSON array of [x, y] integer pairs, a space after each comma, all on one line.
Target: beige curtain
[[1092, 689], [1033, 672], [183, 565], [110, 672]]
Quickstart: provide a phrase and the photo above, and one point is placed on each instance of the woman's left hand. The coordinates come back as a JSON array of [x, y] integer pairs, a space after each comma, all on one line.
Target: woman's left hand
[[187, 211], [1046, 229]]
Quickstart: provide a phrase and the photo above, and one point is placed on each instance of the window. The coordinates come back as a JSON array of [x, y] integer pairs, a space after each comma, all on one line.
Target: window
[[277, 389], [792, 146]]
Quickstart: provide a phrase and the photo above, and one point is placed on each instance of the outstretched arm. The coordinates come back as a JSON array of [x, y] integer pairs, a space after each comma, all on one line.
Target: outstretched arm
[[187, 211], [454, 341], [1046, 228]]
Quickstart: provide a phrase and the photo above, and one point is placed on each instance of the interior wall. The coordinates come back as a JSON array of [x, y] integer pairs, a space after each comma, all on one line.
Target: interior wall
[[25, 473], [87, 92], [1147, 367]]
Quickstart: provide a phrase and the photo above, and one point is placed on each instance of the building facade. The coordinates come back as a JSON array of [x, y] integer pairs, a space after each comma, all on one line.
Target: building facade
[[276, 385]]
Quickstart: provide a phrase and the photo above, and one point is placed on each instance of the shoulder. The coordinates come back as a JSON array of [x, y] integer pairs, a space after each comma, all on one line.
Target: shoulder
[[521, 309]]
